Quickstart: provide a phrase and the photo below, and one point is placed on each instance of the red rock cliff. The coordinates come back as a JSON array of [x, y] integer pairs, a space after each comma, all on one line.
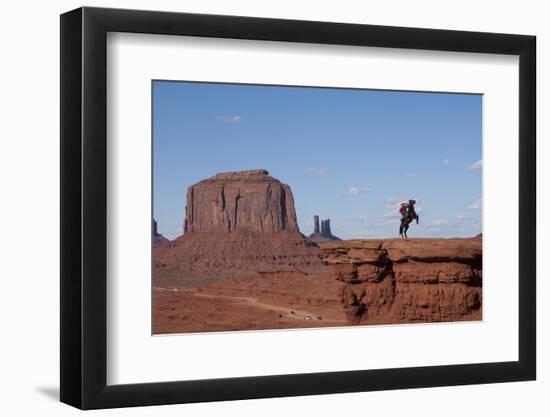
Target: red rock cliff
[[401, 281]]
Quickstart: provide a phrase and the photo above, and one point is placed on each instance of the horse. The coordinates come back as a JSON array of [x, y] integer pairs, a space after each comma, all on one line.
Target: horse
[[407, 219]]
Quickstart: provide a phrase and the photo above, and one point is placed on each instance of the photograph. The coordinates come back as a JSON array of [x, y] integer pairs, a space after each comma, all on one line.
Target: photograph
[[288, 207], [275, 208]]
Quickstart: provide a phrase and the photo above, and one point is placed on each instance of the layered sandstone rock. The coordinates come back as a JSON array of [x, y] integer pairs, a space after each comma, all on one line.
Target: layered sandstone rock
[[416, 280], [237, 221], [250, 201]]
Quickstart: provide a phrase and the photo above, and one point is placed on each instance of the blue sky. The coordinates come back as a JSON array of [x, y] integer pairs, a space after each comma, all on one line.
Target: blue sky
[[348, 155]]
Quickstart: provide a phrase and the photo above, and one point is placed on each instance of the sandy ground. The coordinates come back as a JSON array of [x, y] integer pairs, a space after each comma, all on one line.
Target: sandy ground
[[250, 303]]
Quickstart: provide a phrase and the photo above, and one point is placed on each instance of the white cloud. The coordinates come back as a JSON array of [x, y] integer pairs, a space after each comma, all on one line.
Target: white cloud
[[394, 202], [411, 174], [477, 204], [354, 191], [385, 223], [439, 222], [316, 171], [378, 222], [454, 223], [445, 162], [392, 205], [230, 119], [477, 165], [390, 214]]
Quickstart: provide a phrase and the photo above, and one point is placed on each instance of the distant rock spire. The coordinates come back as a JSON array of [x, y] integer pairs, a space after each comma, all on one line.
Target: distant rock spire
[[158, 239], [325, 228], [325, 234], [316, 224]]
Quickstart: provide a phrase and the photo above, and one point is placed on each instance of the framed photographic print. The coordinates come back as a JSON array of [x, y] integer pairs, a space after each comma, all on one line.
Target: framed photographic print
[[258, 207]]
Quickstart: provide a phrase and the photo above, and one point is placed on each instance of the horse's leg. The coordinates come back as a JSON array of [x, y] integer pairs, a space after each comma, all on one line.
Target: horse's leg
[[406, 228]]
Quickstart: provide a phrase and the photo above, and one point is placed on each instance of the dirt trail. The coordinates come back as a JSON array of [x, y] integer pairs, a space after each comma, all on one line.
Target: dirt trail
[[254, 302]]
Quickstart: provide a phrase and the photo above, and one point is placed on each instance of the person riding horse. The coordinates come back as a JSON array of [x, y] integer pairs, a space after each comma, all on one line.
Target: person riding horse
[[408, 216]]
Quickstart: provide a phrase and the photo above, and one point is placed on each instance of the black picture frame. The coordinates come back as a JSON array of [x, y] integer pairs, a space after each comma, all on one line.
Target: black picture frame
[[84, 207]]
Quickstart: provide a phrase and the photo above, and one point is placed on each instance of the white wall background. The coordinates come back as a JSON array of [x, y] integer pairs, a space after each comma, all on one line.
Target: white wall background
[[29, 175]]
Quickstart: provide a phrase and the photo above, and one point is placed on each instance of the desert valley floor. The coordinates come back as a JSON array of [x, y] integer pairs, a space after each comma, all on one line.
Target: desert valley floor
[[359, 282]]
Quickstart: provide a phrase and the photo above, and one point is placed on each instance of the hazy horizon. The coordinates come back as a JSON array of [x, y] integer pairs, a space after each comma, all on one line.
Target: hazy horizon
[[348, 155]]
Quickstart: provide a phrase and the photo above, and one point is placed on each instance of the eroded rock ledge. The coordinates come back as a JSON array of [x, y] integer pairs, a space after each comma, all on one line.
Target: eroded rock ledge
[[416, 280]]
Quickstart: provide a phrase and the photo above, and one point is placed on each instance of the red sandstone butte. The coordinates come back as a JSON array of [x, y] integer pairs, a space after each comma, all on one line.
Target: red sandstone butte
[[237, 221], [248, 201]]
